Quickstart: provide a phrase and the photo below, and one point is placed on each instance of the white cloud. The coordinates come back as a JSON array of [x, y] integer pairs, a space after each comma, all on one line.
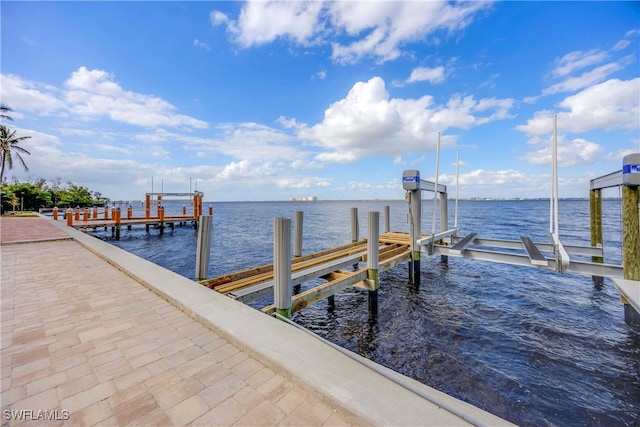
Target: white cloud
[[622, 44], [588, 78], [354, 29], [218, 18], [298, 182], [577, 60], [263, 21], [201, 44], [367, 122], [322, 74], [23, 95], [608, 106], [575, 152], [381, 29], [91, 95], [431, 75]]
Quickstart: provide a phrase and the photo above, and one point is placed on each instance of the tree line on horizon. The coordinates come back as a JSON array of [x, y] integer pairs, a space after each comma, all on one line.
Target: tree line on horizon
[[39, 193]]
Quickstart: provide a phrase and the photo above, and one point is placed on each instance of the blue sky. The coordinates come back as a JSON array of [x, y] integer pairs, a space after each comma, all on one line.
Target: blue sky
[[271, 100]]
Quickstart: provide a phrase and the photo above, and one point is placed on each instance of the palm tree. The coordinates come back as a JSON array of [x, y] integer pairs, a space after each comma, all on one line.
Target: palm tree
[[4, 109], [10, 143]]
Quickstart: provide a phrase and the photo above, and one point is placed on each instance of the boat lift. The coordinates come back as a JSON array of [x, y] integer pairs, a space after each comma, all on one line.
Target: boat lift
[[553, 256]]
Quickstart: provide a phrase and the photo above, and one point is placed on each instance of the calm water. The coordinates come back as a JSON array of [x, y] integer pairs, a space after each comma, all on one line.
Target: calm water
[[534, 347]]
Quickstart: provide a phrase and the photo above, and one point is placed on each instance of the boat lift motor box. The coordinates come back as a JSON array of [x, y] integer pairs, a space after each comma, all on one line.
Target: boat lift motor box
[[411, 179], [631, 169]]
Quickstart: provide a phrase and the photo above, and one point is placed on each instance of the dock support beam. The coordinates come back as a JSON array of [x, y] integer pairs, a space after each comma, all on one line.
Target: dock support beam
[[373, 257], [203, 247], [283, 283], [595, 210]]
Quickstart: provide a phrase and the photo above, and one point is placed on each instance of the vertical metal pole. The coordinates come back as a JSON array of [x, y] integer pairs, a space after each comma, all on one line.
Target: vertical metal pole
[[283, 284], [415, 207], [387, 219], [435, 187], [203, 247], [595, 213], [373, 256], [555, 178], [444, 219], [297, 233], [455, 216], [355, 231]]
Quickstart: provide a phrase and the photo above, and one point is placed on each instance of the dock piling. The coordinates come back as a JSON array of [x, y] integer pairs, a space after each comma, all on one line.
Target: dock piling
[[444, 220], [387, 219], [355, 230], [595, 211], [373, 256], [283, 283], [70, 217], [297, 233], [203, 247]]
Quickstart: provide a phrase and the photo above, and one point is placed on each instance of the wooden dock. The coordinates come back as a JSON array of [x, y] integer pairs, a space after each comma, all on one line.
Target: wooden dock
[[330, 265]]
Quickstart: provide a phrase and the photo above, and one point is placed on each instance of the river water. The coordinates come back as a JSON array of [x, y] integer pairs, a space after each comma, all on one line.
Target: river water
[[531, 346]]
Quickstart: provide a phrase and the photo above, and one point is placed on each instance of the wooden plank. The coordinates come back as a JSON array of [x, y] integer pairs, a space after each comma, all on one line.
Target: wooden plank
[[535, 256], [459, 247], [323, 291]]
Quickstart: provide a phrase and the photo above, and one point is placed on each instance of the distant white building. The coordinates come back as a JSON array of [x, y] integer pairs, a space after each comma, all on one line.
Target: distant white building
[[304, 199]]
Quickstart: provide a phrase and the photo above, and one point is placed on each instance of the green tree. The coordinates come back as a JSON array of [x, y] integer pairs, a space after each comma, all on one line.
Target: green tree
[[10, 144], [3, 110]]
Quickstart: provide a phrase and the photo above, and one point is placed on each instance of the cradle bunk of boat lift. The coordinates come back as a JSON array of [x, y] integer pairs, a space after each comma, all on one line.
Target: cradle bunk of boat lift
[[524, 252]]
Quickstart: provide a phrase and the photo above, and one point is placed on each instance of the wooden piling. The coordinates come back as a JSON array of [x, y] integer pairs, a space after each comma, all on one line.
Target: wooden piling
[[70, 217], [117, 219], [373, 256], [147, 207], [203, 247], [630, 233], [76, 214], [283, 283], [595, 213], [55, 213]]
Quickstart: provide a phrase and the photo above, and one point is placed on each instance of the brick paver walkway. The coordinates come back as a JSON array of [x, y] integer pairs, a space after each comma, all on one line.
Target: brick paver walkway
[[80, 339]]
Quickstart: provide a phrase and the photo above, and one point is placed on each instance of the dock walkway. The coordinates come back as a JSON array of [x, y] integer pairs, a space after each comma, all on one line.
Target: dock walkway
[[100, 336]]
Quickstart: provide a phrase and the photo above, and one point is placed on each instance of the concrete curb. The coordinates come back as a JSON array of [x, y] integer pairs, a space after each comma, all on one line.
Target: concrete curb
[[349, 383]]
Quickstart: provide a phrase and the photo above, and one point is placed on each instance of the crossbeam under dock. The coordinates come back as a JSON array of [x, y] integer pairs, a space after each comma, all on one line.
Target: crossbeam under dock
[[250, 284]]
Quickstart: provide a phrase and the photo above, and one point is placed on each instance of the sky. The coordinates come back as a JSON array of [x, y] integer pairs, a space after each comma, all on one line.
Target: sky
[[269, 100]]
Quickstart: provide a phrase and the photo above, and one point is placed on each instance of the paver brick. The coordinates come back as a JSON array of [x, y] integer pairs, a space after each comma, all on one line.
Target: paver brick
[[111, 352], [188, 410]]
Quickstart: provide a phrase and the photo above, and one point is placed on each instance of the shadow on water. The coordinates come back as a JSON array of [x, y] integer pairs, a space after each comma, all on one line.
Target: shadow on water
[[531, 346]]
